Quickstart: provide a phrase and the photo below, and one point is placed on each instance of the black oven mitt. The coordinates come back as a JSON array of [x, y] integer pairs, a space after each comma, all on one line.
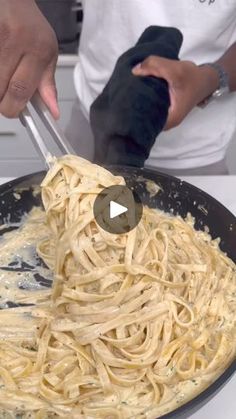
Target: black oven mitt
[[131, 111]]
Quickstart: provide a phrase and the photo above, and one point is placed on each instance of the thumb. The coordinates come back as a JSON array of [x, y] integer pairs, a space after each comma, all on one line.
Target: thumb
[[48, 91], [152, 66]]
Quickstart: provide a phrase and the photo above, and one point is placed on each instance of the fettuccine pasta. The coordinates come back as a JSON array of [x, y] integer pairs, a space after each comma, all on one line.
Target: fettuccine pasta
[[136, 324]]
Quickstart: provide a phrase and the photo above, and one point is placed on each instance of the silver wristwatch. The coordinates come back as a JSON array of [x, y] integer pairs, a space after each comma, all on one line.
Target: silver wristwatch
[[223, 87]]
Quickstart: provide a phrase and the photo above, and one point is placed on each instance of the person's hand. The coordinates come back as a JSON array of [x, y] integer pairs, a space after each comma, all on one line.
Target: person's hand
[[28, 56], [188, 83]]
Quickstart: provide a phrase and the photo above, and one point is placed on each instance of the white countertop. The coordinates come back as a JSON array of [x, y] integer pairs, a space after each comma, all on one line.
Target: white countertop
[[223, 188]]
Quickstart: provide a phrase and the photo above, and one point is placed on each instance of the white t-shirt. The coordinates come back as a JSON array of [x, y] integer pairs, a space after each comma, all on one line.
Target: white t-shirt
[[110, 27]]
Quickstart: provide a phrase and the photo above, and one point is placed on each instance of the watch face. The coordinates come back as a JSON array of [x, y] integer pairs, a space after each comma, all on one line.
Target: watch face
[[221, 92], [218, 93], [223, 88]]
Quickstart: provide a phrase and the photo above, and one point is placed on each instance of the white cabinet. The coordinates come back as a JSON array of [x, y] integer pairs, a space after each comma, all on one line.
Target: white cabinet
[[17, 154]]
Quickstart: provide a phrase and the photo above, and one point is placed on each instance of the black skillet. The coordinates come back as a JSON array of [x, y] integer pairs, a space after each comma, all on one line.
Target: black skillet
[[175, 196]]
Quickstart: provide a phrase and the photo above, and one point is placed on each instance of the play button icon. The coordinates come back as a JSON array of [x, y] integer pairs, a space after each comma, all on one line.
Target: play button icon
[[117, 209]]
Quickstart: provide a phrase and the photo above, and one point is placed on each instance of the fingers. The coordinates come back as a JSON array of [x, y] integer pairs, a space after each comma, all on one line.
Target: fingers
[[28, 53], [185, 83], [6, 72], [48, 91], [10, 57], [28, 75], [21, 86], [170, 71], [152, 66]]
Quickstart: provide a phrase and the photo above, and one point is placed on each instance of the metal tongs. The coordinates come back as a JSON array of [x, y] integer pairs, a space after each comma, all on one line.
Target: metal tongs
[[58, 136]]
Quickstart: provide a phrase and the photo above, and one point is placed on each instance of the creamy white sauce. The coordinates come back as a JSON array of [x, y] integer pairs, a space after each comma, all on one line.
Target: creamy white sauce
[[24, 279]]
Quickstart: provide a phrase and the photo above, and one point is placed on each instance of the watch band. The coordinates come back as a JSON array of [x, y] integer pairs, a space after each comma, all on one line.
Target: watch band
[[223, 87]]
